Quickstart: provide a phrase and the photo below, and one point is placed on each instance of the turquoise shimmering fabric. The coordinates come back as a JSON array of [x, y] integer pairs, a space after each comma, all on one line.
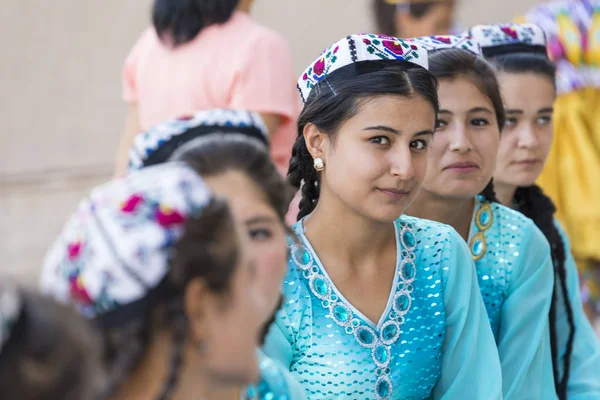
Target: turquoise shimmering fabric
[[432, 341], [516, 281], [584, 377], [276, 382]]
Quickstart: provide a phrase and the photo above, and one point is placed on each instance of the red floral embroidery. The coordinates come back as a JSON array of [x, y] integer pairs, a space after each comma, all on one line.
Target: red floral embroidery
[[74, 250], [319, 66], [168, 217], [393, 46], [366, 41], [132, 203], [336, 49], [443, 39], [78, 292], [305, 76], [509, 31]]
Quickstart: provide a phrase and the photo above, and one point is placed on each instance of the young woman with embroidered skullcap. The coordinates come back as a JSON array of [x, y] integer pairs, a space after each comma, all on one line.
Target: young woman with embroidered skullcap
[[511, 255], [526, 76], [378, 305]]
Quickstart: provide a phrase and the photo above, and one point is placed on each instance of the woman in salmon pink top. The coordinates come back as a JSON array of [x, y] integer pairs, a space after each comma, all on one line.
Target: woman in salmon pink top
[[204, 54]]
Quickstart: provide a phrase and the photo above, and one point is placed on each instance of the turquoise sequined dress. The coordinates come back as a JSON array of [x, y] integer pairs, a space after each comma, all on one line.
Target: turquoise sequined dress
[[432, 341], [515, 273], [584, 377]]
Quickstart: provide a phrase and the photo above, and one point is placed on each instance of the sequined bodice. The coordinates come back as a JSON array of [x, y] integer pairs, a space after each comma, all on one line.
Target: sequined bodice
[[338, 353], [495, 241]]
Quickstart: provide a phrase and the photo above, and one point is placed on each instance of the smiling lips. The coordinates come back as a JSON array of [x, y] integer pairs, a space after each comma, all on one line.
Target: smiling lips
[[527, 163]]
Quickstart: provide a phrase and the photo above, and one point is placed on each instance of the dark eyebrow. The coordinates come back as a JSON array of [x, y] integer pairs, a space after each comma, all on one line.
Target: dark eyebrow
[[425, 132], [513, 111], [481, 109], [383, 128], [546, 110], [258, 219]]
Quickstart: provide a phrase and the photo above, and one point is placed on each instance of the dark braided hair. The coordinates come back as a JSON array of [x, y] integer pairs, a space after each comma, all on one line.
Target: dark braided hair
[[454, 63], [338, 98], [534, 204], [207, 250]]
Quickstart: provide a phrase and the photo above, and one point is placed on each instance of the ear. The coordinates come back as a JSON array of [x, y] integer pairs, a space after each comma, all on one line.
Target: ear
[[316, 141], [199, 309]]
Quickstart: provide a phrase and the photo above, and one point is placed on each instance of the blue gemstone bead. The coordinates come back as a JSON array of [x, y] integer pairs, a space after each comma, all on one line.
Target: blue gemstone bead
[[409, 239], [383, 389], [408, 270], [381, 354], [402, 302], [365, 336], [389, 332], [484, 217], [477, 247], [341, 313], [321, 286]]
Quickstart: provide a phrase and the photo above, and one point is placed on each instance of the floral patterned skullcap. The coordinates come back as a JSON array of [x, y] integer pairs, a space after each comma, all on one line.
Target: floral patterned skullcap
[[509, 38], [11, 305], [354, 49], [156, 145], [440, 42], [116, 248]]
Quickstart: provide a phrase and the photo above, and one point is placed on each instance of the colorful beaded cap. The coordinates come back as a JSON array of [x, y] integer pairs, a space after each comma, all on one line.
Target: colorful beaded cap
[[116, 247], [10, 309], [431, 43], [147, 143], [492, 37], [358, 48]]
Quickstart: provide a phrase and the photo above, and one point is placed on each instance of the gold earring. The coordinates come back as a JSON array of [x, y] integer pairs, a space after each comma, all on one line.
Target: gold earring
[[318, 164]]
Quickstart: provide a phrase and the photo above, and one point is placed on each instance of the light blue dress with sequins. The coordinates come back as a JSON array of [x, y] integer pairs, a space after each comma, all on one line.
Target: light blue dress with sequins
[[276, 382], [584, 376], [433, 340], [516, 278]]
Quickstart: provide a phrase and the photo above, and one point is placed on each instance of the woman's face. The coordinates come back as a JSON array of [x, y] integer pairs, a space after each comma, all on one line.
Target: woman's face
[[376, 162], [527, 135], [436, 21], [463, 154], [263, 228], [232, 322]]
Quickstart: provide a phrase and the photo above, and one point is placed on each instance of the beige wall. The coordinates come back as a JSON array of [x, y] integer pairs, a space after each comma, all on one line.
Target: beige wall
[[60, 97]]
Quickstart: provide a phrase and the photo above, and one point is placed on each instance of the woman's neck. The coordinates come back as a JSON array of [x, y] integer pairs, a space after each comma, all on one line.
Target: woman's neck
[[505, 193], [335, 228], [146, 381], [457, 213]]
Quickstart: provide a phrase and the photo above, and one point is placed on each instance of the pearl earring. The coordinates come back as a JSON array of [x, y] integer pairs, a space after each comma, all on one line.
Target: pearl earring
[[318, 164]]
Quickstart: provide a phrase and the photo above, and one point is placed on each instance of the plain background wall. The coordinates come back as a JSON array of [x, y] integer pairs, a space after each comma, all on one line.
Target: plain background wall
[[60, 97]]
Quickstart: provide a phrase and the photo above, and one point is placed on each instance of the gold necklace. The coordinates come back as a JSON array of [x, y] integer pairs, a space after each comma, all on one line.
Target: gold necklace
[[483, 220]]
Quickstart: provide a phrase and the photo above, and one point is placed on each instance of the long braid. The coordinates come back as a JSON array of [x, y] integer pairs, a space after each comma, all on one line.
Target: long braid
[[302, 175], [533, 203], [489, 193], [179, 323], [125, 350]]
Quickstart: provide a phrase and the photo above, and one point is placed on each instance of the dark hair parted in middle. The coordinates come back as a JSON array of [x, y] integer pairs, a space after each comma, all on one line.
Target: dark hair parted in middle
[[216, 154], [337, 99], [534, 204], [179, 21], [455, 63]]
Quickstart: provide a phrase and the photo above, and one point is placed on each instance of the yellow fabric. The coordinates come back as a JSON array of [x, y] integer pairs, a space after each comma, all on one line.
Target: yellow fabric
[[572, 173]]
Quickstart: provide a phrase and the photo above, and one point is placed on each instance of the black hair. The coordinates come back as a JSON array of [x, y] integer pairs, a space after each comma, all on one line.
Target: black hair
[[338, 98], [207, 250], [179, 21], [533, 203], [454, 63], [385, 14], [216, 154], [51, 353]]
